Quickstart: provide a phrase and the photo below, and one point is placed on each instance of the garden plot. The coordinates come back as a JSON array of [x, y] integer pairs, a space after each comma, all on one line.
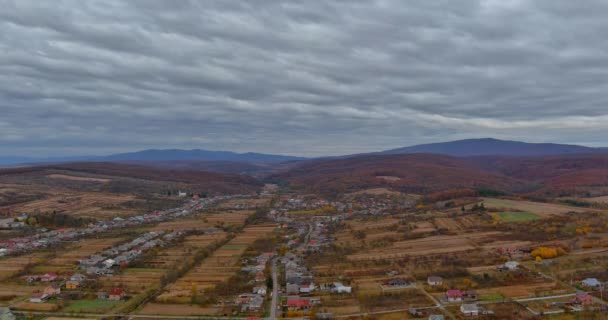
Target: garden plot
[[218, 267]]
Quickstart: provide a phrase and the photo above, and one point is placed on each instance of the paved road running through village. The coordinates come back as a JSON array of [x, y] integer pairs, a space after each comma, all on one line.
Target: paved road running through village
[[275, 291]]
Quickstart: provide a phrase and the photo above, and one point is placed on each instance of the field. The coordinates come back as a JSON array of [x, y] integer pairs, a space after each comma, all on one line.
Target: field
[[516, 216], [218, 267], [543, 210], [66, 259], [13, 265], [76, 178], [168, 257], [90, 306], [207, 220], [86, 204], [432, 245]]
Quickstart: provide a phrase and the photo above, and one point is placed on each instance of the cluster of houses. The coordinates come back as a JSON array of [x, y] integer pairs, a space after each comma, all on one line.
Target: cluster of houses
[[55, 285], [104, 262], [253, 301], [51, 238], [299, 284]]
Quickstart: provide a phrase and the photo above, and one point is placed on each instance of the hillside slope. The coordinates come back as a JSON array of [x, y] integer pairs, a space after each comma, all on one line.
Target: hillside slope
[[417, 173]]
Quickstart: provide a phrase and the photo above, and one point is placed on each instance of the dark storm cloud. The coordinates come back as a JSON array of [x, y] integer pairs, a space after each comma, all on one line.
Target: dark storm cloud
[[307, 77]]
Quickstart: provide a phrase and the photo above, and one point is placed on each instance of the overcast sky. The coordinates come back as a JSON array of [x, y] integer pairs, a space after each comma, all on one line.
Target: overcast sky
[[298, 77]]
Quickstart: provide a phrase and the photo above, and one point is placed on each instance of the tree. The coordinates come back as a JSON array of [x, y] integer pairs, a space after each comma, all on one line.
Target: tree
[[462, 209], [283, 251], [194, 293], [269, 282]]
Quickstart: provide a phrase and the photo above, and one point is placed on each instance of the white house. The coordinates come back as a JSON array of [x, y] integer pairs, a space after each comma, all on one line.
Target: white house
[[591, 282], [511, 265], [340, 288], [469, 309]]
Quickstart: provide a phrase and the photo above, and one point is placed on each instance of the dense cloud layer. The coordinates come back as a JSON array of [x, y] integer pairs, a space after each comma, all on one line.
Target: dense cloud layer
[[301, 77]]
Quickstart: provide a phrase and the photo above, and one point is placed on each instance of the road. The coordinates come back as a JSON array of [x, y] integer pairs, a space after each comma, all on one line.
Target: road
[[275, 290]]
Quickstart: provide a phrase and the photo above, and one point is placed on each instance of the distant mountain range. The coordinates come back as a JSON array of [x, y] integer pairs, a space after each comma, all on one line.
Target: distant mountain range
[[496, 147], [459, 148], [154, 155]]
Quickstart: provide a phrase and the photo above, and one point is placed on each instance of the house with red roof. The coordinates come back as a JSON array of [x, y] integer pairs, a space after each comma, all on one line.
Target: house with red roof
[[583, 298], [298, 304], [454, 295], [116, 294], [48, 277]]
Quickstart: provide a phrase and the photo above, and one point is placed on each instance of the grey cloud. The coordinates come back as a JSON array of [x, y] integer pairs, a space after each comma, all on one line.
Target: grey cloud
[[302, 78]]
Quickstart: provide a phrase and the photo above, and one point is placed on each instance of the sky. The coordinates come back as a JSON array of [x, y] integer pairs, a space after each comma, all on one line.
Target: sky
[[305, 78]]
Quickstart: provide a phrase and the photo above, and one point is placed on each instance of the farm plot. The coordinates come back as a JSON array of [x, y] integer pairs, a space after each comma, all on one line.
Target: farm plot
[[245, 203], [67, 259], [76, 178], [543, 210], [10, 292], [168, 257], [133, 280], [208, 220], [218, 267], [427, 246], [448, 224], [13, 265], [515, 216], [89, 204]]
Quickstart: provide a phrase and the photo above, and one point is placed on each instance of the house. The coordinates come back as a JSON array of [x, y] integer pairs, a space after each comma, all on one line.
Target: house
[[340, 288], [298, 304], [469, 309], [52, 290], [511, 265], [293, 288], [325, 316], [72, 285], [102, 295], [116, 294], [470, 295], [39, 297], [397, 282], [583, 298], [48, 277], [6, 314], [434, 281], [436, 317], [591, 283], [454, 295], [78, 277], [307, 288], [261, 290]]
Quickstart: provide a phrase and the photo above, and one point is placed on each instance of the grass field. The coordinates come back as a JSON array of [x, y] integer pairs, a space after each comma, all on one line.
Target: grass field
[[93, 306], [516, 216]]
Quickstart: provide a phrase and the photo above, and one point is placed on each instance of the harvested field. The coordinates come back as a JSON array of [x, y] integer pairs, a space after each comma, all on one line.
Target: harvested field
[[427, 246], [13, 265], [389, 178], [424, 227], [29, 306], [447, 223], [133, 280], [544, 210], [89, 204], [218, 267], [177, 309], [208, 220], [66, 260], [170, 256], [76, 178], [10, 291], [365, 225], [525, 290]]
